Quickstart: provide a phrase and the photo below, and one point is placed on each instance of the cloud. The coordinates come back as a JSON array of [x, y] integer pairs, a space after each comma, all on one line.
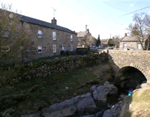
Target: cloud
[[131, 5]]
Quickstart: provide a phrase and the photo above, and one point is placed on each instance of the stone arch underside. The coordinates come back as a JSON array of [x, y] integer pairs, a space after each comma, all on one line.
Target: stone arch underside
[[140, 68]]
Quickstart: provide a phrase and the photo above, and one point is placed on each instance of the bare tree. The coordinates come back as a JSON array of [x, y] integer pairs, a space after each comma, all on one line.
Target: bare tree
[[13, 35], [88, 41], [138, 28], [147, 29]]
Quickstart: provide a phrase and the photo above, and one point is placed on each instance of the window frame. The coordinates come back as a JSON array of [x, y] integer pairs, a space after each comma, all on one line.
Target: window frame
[[40, 47], [55, 48], [71, 37], [139, 46], [63, 48], [54, 35], [40, 34]]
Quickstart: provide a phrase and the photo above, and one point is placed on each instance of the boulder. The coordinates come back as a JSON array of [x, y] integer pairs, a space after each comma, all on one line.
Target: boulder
[[31, 115], [93, 88], [86, 104], [69, 107], [101, 93], [114, 111], [65, 108]]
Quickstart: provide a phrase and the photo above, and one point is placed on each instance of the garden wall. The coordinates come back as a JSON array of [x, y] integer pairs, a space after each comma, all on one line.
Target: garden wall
[[47, 68]]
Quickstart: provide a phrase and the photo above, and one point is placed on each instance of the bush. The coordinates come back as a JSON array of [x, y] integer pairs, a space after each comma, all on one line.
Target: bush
[[62, 52], [67, 53], [82, 51], [73, 53]]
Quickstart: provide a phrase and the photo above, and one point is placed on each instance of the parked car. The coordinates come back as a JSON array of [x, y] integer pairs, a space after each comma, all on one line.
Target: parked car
[[93, 48], [101, 48], [110, 47]]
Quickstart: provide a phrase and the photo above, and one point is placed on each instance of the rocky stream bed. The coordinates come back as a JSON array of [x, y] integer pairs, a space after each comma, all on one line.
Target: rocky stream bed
[[103, 101]]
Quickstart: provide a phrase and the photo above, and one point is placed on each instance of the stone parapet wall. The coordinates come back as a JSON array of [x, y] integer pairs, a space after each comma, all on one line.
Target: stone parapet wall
[[137, 59]]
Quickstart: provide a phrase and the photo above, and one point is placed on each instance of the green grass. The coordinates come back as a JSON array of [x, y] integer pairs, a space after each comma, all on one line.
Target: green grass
[[29, 95], [140, 104]]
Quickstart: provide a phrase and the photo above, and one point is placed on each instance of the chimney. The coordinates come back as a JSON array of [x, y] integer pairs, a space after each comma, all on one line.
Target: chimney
[[54, 21], [125, 35], [85, 27], [88, 31]]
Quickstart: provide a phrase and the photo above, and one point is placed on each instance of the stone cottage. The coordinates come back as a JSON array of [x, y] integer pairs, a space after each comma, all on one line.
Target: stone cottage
[[104, 42], [47, 39], [85, 39], [130, 43]]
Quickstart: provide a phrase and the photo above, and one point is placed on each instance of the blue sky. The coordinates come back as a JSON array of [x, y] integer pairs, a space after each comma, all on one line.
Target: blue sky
[[75, 14]]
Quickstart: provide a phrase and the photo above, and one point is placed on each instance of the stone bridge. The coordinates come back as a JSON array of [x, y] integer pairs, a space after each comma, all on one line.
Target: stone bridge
[[137, 59]]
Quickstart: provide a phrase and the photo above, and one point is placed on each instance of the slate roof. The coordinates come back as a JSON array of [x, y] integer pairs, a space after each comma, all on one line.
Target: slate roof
[[45, 24], [129, 39], [42, 23], [82, 33], [104, 41]]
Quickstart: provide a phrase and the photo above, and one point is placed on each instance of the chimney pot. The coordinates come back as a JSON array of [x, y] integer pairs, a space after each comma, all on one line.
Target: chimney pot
[[125, 34], [54, 21]]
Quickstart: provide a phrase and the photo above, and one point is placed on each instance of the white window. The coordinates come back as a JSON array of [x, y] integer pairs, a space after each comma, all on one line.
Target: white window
[[124, 45], [54, 48], [71, 37], [40, 48], [83, 46], [139, 46], [63, 48], [40, 34], [71, 47], [54, 35]]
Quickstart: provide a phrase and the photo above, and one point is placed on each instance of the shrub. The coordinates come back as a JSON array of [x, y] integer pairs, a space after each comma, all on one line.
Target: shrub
[[62, 52], [67, 53]]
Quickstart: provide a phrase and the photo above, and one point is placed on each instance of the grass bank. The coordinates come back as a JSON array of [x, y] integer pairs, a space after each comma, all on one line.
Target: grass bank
[[30, 95], [138, 105]]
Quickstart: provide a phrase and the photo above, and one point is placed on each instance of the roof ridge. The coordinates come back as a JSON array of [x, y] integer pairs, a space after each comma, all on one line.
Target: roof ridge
[[40, 22]]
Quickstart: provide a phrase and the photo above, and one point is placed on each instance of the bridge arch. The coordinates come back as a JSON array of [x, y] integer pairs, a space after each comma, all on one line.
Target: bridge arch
[[129, 77], [138, 59], [135, 66]]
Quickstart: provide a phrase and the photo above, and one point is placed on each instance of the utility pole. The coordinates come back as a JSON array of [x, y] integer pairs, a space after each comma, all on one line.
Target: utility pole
[[110, 36]]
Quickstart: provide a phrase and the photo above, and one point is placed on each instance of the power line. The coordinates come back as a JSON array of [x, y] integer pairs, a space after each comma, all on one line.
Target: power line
[[131, 12]]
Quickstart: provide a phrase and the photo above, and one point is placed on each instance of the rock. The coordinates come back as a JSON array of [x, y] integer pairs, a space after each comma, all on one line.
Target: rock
[[110, 88], [93, 87], [61, 113], [31, 115], [101, 93], [98, 114], [7, 115], [69, 107], [115, 110], [86, 104], [60, 106]]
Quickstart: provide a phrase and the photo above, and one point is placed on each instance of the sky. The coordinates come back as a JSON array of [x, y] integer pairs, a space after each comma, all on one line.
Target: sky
[[99, 15]]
